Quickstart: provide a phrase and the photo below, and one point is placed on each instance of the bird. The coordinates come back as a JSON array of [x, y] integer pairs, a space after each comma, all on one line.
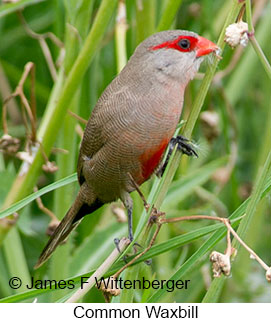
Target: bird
[[131, 126]]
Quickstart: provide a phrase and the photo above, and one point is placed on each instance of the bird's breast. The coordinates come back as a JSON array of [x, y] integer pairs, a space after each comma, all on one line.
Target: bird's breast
[[151, 158]]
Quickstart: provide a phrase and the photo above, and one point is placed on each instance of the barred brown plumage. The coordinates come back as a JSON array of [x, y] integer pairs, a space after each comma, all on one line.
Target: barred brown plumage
[[132, 124]]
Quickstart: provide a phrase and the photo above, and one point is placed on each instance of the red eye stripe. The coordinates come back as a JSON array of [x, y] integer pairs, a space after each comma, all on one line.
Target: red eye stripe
[[174, 44]]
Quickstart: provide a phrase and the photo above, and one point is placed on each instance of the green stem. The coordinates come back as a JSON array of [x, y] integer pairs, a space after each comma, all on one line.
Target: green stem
[[249, 16], [120, 37], [145, 24], [264, 170], [169, 14], [262, 57], [255, 44], [16, 260]]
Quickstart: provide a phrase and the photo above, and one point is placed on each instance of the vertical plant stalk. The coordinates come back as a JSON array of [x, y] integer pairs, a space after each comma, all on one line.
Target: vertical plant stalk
[[169, 14], [249, 16], [264, 170], [255, 44], [145, 15], [120, 36], [260, 54]]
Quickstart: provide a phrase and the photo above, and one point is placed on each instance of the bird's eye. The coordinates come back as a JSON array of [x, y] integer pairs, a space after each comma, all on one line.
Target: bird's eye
[[184, 43]]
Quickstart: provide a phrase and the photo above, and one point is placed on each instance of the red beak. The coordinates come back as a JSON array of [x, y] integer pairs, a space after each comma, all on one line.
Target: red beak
[[205, 47]]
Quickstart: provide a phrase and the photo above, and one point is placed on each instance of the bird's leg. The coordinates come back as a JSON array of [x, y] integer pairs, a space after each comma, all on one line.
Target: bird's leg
[[154, 212], [136, 186], [182, 145], [129, 207], [128, 203]]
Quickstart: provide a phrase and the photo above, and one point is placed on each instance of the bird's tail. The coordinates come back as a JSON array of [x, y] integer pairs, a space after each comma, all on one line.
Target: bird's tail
[[72, 218]]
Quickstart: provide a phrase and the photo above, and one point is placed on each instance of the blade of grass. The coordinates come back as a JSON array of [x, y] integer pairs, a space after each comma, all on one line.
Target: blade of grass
[[32, 197], [8, 8]]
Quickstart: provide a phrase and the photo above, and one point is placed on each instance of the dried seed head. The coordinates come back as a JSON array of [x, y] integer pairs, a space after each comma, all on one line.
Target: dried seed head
[[50, 167], [221, 264], [25, 156], [237, 34], [9, 144]]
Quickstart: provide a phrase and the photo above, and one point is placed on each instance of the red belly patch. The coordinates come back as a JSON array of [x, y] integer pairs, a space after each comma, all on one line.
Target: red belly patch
[[151, 158]]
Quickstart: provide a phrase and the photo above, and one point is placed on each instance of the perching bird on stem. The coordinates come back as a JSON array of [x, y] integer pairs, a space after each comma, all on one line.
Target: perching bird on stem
[[132, 124]]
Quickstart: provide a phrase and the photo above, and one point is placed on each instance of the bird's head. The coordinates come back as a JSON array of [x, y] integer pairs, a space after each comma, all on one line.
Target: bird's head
[[173, 55]]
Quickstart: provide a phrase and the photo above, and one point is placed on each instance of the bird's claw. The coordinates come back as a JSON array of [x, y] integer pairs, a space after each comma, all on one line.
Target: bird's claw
[[148, 262], [117, 242], [183, 146]]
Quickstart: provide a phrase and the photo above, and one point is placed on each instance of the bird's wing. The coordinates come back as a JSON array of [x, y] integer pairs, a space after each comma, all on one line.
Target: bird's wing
[[108, 117]]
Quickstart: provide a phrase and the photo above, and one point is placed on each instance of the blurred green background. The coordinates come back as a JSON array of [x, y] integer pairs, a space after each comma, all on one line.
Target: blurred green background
[[233, 134]]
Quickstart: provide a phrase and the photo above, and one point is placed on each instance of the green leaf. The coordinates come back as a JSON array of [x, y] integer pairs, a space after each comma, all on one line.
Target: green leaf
[[169, 14], [19, 205], [8, 8]]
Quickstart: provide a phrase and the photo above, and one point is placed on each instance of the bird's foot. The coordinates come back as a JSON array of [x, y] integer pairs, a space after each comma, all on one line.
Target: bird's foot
[[117, 242], [131, 238], [184, 146], [136, 186], [136, 244]]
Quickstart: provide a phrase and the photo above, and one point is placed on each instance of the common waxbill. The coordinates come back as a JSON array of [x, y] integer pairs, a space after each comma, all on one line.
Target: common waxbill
[[132, 124]]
